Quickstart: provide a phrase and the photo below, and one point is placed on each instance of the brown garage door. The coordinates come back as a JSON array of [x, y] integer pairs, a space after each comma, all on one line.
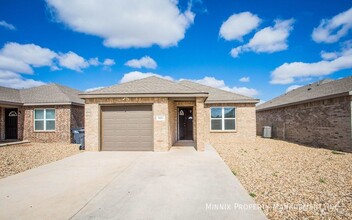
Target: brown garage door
[[127, 127]]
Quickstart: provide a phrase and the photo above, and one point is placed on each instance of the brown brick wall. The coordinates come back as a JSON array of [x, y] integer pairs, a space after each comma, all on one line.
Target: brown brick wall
[[325, 123], [165, 132], [20, 123], [245, 125], [62, 131]]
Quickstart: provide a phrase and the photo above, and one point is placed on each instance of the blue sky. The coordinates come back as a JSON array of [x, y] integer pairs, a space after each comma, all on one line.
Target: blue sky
[[256, 48]]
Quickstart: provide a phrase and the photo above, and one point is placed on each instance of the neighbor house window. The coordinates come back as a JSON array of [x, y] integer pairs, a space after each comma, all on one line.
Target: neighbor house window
[[223, 118], [44, 119]]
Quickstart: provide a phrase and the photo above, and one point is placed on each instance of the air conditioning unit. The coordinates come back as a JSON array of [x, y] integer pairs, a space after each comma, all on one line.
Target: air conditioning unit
[[267, 132]]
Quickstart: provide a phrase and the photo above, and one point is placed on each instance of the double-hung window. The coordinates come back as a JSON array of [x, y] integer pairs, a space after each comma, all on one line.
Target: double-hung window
[[44, 119], [223, 119]]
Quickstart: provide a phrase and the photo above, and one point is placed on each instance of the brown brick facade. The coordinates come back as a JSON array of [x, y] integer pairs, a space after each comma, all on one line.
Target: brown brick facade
[[245, 125], [325, 123], [165, 132], [67, 117]]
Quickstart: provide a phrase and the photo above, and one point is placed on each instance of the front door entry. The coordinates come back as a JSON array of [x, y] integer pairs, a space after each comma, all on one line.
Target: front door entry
[[185, 123], [11, 117]]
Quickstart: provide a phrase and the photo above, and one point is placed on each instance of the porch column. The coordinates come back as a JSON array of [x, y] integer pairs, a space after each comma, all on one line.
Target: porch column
[[200, 142]]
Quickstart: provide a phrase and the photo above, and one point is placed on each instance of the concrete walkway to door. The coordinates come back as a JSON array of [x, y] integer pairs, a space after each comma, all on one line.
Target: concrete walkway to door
[[179, 184]]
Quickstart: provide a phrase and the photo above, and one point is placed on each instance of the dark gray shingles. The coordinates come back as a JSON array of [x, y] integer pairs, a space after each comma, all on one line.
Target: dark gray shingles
[[317, 90], [219, 95]]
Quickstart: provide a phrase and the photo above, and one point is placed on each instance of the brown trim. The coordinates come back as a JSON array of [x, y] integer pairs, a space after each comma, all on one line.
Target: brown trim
[[53, 103], [305, 101], [10, 104], [254, 101]]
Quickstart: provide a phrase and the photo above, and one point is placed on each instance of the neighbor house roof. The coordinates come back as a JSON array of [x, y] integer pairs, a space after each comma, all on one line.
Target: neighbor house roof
[[323, 89], [146, 87], [157, 87], [51, 93], [10, 96], [41, 95], [219, 95]]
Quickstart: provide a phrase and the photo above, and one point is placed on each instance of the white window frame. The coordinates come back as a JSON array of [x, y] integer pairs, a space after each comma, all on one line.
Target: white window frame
[[223, 118], [44, 119]]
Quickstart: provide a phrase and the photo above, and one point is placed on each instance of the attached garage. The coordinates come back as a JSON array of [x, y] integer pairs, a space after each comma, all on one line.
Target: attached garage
[[127, 128]]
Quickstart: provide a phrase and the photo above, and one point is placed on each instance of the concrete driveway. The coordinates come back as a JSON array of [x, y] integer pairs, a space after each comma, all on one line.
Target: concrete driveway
[[179, 184]]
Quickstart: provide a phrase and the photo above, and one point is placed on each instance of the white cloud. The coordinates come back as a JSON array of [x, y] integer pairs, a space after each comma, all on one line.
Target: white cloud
[[30, 54], [126, 23], [245, 79], [109, 62], [239, 25], [140, 75], [16, 81], [210, 81], [290, 88], [94, 61], [331, 30], [7, 25], [289, 72], [11, 64], [220, 84], [268, 40], [106, 63], [328, 55], [72, 61], [146, 62], [95, 88], [22, 58]]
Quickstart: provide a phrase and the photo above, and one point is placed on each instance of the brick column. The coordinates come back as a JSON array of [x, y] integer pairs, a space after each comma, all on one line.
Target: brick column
[[200, 142], [92, 127]]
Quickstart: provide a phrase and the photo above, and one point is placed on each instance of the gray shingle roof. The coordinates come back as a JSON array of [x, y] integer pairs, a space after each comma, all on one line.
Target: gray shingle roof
[[315, 91], [10, 96], [149, 85], [50, 93], [157, 86], [219, 95]]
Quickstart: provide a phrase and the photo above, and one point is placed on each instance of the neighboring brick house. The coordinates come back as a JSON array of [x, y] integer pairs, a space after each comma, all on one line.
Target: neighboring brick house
[[42, 114], [318, 114], [154, 114]]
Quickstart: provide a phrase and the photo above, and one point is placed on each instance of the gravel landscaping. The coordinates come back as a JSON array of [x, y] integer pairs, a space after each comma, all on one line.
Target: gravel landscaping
[[18, 158], [291, 181]]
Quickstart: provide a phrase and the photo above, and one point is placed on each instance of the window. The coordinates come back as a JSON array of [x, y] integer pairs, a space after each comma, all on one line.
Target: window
[[223, 119], [44, 119]]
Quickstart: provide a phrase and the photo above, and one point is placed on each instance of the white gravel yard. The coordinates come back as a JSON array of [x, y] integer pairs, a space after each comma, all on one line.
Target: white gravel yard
[[18, 158], [292, 181]]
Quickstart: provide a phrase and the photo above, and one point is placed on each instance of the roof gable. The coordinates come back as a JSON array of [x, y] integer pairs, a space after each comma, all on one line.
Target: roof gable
[[50, 93], [46, 94], [149, 85], [219, 95], [318, 90], [10, 96]]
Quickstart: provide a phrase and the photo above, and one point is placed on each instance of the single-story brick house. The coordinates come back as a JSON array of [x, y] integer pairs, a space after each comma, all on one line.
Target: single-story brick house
[[41, 114], [154, 114], [318, 114]]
